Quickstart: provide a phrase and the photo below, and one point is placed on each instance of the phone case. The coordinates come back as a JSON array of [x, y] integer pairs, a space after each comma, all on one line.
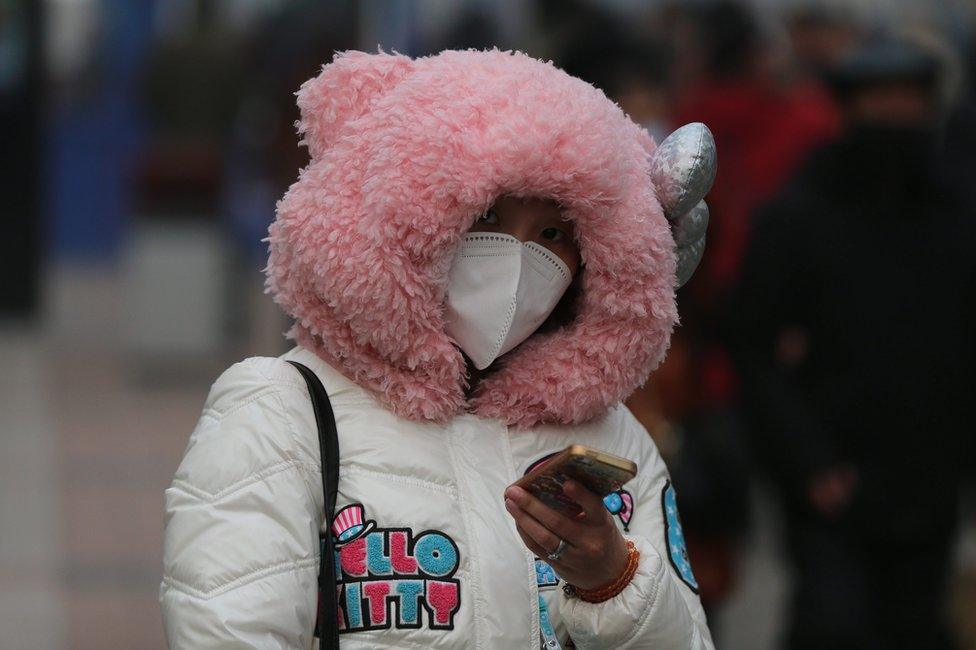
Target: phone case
[[545, 482]]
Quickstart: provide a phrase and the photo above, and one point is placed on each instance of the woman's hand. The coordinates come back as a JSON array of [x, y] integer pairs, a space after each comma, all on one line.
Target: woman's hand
[[595, 554]]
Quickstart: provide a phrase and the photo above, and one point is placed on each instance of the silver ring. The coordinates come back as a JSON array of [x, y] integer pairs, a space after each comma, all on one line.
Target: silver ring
[[559, 551]]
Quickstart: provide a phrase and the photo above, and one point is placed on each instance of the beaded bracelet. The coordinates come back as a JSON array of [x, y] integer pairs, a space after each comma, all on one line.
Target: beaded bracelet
[[614, 588]]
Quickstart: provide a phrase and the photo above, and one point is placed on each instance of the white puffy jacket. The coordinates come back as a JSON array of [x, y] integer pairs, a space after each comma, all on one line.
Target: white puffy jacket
[[441, 565]]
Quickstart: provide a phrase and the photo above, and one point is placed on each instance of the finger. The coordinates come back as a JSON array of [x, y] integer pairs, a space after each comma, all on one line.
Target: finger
[[562, 526], [538, 533], [593, 507], [532, 545], [560, 564]]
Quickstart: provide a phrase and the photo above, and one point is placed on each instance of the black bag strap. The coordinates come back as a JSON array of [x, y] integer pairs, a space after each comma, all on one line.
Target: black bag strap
[[326, 627]]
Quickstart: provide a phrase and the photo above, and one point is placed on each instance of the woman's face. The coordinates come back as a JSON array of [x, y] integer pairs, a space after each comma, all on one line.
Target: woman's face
[[535, 220]]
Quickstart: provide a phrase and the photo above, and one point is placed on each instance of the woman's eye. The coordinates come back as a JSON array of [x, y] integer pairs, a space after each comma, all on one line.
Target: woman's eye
[[489, 217], [553, 234]]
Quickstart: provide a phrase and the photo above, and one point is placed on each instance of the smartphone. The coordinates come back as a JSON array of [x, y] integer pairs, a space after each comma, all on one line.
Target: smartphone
[[600, 472]]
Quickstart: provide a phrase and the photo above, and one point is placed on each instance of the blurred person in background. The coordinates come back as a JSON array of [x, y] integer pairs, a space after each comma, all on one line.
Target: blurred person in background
[[191, 86], [766, 114], [821, 34], [284, 48], [563, 25], [635, 73], [766, 117], [728, 71], [702, 448], [21, 76], [960, 141], [855, 320]]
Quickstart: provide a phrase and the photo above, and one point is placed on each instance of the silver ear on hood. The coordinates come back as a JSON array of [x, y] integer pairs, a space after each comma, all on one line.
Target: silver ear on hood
[[682, 170]]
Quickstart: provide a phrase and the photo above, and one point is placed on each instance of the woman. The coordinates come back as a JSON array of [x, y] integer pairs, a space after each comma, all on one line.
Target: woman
[[480, 270]]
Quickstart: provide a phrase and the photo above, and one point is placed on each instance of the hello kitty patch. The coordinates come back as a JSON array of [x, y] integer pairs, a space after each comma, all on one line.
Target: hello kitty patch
[[393, 577]]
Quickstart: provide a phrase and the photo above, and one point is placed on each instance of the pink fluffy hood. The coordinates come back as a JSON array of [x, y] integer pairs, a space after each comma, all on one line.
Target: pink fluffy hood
[[405, 155]]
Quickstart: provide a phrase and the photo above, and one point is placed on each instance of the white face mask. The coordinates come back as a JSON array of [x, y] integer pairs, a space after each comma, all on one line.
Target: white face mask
[[500, 292]]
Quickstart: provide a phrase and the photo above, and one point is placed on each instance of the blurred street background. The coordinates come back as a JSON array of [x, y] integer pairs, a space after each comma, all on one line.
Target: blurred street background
[[816, 405]]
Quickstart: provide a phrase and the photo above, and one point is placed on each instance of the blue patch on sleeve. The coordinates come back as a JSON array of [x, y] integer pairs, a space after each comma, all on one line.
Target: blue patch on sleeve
[[675, 538]]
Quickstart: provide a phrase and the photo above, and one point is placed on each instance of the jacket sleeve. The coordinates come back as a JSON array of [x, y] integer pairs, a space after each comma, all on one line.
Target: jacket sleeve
[[242, 518], [658, 609]]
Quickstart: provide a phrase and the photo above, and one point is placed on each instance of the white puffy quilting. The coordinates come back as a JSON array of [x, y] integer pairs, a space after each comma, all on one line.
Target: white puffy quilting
[[244, 510]]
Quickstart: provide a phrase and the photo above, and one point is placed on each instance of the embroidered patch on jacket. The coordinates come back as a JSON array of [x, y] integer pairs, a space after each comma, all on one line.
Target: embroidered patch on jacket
[[546, 630], [392, 577], [675, 537], [545, 575]]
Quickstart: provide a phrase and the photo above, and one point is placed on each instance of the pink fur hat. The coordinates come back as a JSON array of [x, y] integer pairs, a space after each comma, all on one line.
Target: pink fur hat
[[405, 155]]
